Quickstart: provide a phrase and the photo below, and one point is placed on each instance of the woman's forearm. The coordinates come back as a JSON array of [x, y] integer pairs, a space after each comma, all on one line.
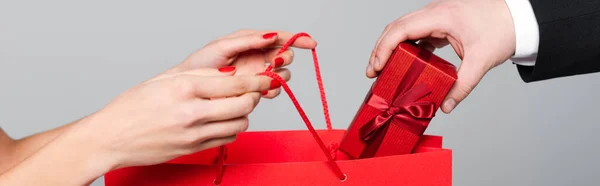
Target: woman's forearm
[[70, 158], [15, 151], [7, 146]]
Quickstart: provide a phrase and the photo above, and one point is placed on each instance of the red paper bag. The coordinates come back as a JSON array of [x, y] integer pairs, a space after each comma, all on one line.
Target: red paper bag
[[400, 104], [294, 158]]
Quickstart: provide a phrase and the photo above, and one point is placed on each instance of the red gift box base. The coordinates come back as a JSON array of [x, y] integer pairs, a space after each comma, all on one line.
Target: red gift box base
[[292, 158]]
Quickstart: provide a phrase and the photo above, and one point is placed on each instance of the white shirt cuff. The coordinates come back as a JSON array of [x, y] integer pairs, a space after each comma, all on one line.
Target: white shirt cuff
[[526, 32]]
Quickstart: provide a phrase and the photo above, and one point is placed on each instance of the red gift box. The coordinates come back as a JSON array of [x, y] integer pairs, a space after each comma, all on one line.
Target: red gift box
[[400, 104]]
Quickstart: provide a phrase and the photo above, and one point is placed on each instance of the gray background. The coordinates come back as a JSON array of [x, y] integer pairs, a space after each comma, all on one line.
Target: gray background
[[63, 60]]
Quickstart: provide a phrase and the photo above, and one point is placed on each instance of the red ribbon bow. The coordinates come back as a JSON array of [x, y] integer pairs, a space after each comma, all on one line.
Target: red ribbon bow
[[414, 115]]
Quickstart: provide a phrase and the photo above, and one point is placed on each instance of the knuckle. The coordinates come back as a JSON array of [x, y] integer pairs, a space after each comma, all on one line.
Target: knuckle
[[242, 31], [186, 115], [243, 125], [239, 85], [247, 105], [464, 90], [255, 43], [220, 44], [190, 139], [373, 52], [204, 112], [446, 9], [390, 26], [380, 49], [399, 25], [230, 139], [194, 114], [226, 140], [181, 85]]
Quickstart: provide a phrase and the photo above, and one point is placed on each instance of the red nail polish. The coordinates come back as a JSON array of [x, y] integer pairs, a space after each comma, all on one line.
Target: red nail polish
[[275, 84], [269, 35], [226, 69], [264, 92], [278, 61]]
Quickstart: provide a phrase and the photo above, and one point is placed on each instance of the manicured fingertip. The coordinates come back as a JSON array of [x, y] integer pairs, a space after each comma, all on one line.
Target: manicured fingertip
[[227, 69], [278, 62], [275, 84], [269, 35]]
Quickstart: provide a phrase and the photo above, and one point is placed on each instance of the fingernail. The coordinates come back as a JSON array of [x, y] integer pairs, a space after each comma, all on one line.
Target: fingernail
[[278, 61], [275, 84], [269, 35], [369, 67], [264, 92], [377, 63], [449, 104], [227, 69]]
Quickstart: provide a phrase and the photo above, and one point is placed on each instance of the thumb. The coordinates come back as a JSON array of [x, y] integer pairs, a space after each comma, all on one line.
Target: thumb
[[223, 71], [470, 72]]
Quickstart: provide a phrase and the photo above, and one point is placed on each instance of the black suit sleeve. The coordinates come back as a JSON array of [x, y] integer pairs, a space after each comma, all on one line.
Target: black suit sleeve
[[569, 39]]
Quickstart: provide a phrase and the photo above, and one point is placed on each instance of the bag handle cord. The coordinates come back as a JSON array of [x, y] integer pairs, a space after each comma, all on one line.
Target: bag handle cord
[[328, 151]]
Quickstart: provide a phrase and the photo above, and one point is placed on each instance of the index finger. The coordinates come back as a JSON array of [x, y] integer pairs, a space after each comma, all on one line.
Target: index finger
[[415, 27], [228, 86], [301, 42], [283, 37]]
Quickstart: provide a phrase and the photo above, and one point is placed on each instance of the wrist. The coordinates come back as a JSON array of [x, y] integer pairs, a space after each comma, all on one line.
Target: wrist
[[526, 33], [508, 30], [85, 162], [88, 144], [82, 152]]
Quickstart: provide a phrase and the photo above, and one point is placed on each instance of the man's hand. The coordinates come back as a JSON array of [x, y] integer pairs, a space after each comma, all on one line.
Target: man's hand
[[480, 31]]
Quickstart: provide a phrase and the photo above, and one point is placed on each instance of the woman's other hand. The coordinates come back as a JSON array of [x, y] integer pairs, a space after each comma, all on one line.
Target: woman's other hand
[[249, 51]]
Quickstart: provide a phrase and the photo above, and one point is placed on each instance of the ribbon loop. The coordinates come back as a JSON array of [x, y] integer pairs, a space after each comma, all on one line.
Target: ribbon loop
[[404, 109], [421, 110]]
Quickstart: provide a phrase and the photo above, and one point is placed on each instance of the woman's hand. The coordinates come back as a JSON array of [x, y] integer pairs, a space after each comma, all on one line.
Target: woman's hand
[[249, 51], [480, 31], [176, 114]]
